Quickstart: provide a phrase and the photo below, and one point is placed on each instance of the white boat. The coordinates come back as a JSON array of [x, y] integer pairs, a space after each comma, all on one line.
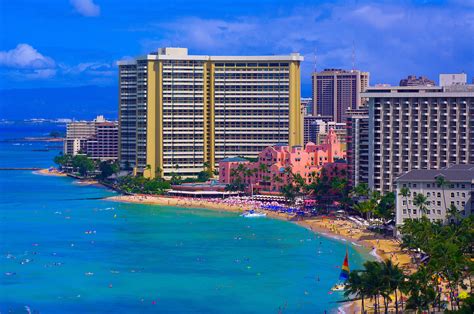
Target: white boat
[[339, 287], [253, 214]]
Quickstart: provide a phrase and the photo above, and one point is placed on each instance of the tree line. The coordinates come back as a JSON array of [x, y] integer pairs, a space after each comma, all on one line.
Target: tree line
[[444, 266]]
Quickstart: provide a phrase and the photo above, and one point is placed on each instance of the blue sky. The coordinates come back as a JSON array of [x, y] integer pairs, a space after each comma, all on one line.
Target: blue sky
[[60, 43]]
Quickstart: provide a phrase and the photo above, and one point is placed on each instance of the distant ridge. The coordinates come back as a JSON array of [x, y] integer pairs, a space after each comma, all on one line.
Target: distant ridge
[[84, 102]]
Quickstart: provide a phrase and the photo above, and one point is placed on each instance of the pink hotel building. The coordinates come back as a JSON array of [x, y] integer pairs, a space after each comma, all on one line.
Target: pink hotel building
[[307, 161]]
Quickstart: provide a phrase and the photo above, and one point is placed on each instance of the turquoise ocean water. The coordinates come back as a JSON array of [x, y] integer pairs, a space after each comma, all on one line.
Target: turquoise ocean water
[[65, 250]]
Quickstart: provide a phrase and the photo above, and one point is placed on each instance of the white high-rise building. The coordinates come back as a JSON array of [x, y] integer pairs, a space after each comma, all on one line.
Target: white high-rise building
[[418, 127]]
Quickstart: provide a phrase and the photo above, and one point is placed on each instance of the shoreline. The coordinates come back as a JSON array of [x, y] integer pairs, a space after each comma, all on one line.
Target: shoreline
[[52, 173], [325, 226], [376, 245]]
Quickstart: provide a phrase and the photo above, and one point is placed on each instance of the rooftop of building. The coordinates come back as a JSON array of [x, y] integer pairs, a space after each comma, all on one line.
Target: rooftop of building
[[174, 53], [234, 159], [420, 91], [339, 71], [455, 173]]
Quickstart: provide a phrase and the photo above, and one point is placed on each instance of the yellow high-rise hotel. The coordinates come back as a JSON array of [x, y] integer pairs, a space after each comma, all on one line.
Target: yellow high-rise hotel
[[179, 112]]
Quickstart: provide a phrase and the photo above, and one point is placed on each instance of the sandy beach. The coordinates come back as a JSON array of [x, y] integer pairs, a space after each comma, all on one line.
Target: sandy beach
[[341, 229], [50, 172]]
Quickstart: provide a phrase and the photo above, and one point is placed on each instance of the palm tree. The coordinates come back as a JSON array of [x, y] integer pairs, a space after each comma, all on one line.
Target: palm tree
[[442, 182], [421, 201], [373, 282], [453, 213], [263, 167], [366, 207], [420, 289], [393, 277], [405, 192], [355, 286], [158, 172], [361, 190]]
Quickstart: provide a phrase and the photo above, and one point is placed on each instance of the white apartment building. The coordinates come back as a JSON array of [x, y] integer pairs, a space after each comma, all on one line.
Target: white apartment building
[[459, 192], [418, 127]]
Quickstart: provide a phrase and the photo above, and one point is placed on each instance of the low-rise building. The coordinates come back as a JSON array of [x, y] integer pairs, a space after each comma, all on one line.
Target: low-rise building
[[459, 191], [452, 79], [412, 80], [271, 171], [97, 139], [104, 144]]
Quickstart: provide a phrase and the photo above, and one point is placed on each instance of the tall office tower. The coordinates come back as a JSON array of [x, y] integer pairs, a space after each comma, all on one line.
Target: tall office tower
[[357, 153], [418, 128], [452, 79], [412, 80], [336, 90], [194, 110]]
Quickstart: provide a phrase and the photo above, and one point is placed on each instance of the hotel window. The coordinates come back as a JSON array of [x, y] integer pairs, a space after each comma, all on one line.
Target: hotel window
[[414, 212], [404, 211], [439, 194], [452, 194]]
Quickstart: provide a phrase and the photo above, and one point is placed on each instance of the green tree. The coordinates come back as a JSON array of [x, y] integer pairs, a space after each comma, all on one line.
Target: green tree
[[203, 176], [175, 179], [366, 208], [356, 287], [82, 164], [421, 201], [453, 214], [405, 193], [63, 161], [289, 192], [442, 182], [107, 169], [393, 278], [361, 190], [386, 206], [420, 289]]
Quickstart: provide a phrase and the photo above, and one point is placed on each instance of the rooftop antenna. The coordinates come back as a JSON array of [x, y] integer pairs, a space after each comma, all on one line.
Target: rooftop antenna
[[353, 56]]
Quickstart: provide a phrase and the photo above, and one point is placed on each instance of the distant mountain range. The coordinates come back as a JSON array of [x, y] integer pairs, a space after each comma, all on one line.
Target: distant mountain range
[[83, 102]]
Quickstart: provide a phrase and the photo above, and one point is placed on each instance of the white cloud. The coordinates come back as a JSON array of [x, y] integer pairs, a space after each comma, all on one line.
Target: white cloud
[[25, 56], [86, 7], [378, 17], [388, 38], [90, 69], [40, 74]]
